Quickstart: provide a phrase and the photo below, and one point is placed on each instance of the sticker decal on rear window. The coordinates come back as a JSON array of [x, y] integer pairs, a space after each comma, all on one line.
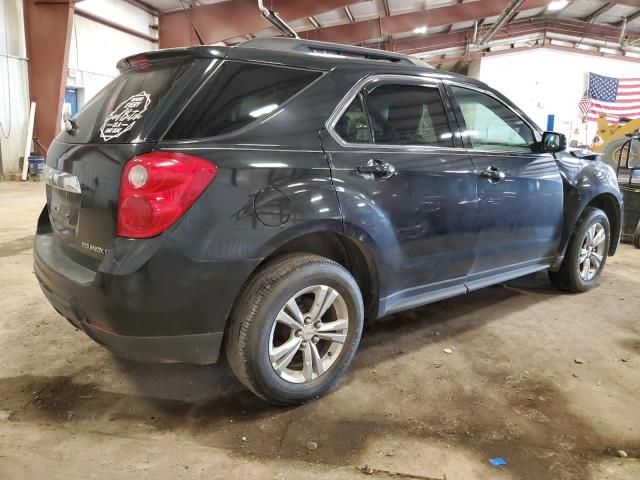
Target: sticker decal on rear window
[[125, 116]]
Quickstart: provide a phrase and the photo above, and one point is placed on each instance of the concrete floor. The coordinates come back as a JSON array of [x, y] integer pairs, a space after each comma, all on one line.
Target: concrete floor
[[511, 389]]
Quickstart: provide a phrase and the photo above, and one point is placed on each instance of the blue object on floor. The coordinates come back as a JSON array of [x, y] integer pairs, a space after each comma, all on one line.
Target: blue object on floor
[[36, 165], [497, 462]]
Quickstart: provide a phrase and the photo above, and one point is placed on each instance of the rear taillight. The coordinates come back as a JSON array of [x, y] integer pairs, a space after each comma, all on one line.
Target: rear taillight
[[157, 188]]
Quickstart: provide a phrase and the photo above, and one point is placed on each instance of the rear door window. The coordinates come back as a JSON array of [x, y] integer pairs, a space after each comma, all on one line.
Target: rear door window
[[408, 115], [237, 95], [353, 125]]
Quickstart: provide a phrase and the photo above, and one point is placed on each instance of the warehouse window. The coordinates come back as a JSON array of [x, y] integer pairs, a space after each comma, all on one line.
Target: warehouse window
[[237, 95]]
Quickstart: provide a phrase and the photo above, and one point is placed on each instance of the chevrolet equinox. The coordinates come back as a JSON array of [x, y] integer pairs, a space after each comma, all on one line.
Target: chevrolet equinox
[[263, 200]]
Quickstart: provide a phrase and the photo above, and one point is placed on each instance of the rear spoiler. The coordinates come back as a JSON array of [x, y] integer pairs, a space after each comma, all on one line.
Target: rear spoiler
[[142, 59]]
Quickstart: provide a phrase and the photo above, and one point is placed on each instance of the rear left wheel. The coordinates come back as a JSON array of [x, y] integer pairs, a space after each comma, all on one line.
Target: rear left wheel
[[296, 328]]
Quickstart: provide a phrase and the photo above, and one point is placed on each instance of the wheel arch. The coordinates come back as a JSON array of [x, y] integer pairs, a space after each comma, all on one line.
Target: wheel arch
[[589, 184], [609, 204], [326, 239], [347, 251]]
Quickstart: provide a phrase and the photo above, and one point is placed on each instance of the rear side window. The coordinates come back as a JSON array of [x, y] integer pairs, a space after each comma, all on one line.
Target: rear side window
[[237, 95], [119, 111], [408, 115]]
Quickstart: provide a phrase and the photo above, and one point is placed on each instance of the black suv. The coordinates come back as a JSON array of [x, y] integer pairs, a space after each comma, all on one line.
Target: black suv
[[265, 199]]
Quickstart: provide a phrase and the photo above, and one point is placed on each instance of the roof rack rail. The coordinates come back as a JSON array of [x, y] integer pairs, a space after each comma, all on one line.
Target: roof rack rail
[[336, 49]]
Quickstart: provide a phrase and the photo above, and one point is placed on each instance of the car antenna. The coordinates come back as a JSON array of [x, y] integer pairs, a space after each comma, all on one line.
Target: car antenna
[[274, 19], [191, 22]]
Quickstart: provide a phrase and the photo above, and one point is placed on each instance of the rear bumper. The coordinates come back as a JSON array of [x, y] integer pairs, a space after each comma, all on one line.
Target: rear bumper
[[199, 348], [170, 309]]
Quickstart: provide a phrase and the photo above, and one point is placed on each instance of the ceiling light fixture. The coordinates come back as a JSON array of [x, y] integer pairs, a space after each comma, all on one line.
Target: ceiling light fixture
[[420, 30], [556, 5]]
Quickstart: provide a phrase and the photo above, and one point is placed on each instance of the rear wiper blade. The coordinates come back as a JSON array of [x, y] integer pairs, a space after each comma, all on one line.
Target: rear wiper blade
[[70, 125]]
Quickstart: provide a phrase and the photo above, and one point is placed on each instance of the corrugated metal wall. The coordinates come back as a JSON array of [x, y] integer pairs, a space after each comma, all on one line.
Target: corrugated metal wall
[[14, 84]]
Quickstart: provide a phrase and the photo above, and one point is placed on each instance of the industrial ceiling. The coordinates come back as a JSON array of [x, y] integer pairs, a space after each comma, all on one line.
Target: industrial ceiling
[[446, 33]]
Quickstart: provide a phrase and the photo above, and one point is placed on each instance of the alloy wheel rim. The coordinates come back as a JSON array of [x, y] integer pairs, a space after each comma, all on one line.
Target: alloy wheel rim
[[308, 334], [591, 252]]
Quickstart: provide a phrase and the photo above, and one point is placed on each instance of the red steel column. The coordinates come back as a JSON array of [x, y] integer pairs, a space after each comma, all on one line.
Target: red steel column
[[48, 25]]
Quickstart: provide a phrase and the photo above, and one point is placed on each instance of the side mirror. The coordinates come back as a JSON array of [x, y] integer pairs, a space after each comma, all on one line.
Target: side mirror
[[553, 142]]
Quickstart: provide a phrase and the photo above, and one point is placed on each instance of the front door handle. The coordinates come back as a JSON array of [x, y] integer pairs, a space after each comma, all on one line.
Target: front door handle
[[493, 174], [377, 169]]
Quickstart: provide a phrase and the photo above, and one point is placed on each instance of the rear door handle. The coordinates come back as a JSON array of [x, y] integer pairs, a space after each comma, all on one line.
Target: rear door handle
[[377, 169], [493, 174]]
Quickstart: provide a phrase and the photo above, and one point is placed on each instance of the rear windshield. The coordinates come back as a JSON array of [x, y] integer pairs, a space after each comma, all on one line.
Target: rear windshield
[[119, 111], [237, 95]]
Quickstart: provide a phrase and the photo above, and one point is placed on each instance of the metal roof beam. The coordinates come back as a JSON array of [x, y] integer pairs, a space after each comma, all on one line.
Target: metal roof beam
[[233, 18], [509, 13], [385, 4], [450, 27], [432, 18], [462, 38], [347, 10], [630, 18], [603, 9], [144, 6], [482, 54]]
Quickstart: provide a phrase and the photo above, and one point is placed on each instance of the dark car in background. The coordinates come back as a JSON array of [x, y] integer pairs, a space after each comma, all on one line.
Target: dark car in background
[[263, 200], [628, 173]]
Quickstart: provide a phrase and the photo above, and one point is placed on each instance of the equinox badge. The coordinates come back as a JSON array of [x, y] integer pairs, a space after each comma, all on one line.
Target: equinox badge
[[94, 248]]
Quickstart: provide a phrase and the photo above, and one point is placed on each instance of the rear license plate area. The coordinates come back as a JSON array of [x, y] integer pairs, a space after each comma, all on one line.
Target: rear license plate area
[[63, 200], [64, 210]]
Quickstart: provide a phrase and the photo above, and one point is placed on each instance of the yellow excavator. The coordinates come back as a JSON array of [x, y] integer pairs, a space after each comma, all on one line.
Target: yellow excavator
[[611, 138]]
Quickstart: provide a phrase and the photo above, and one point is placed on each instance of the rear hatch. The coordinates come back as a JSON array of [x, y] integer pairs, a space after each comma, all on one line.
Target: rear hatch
[[125, 119]]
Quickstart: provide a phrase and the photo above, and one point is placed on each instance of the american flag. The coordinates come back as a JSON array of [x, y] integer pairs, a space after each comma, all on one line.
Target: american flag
[[617, 98]]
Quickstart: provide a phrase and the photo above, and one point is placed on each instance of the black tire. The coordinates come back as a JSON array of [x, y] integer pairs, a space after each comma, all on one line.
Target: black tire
[[636, 237], [611, 152], [568, 277], [249, 334]]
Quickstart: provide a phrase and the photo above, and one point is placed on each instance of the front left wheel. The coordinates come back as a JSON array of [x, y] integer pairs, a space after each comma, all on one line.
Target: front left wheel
[[586, 254], [295, 329]]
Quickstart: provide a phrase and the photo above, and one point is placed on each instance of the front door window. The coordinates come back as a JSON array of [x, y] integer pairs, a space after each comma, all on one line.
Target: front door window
[[490, 125]]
